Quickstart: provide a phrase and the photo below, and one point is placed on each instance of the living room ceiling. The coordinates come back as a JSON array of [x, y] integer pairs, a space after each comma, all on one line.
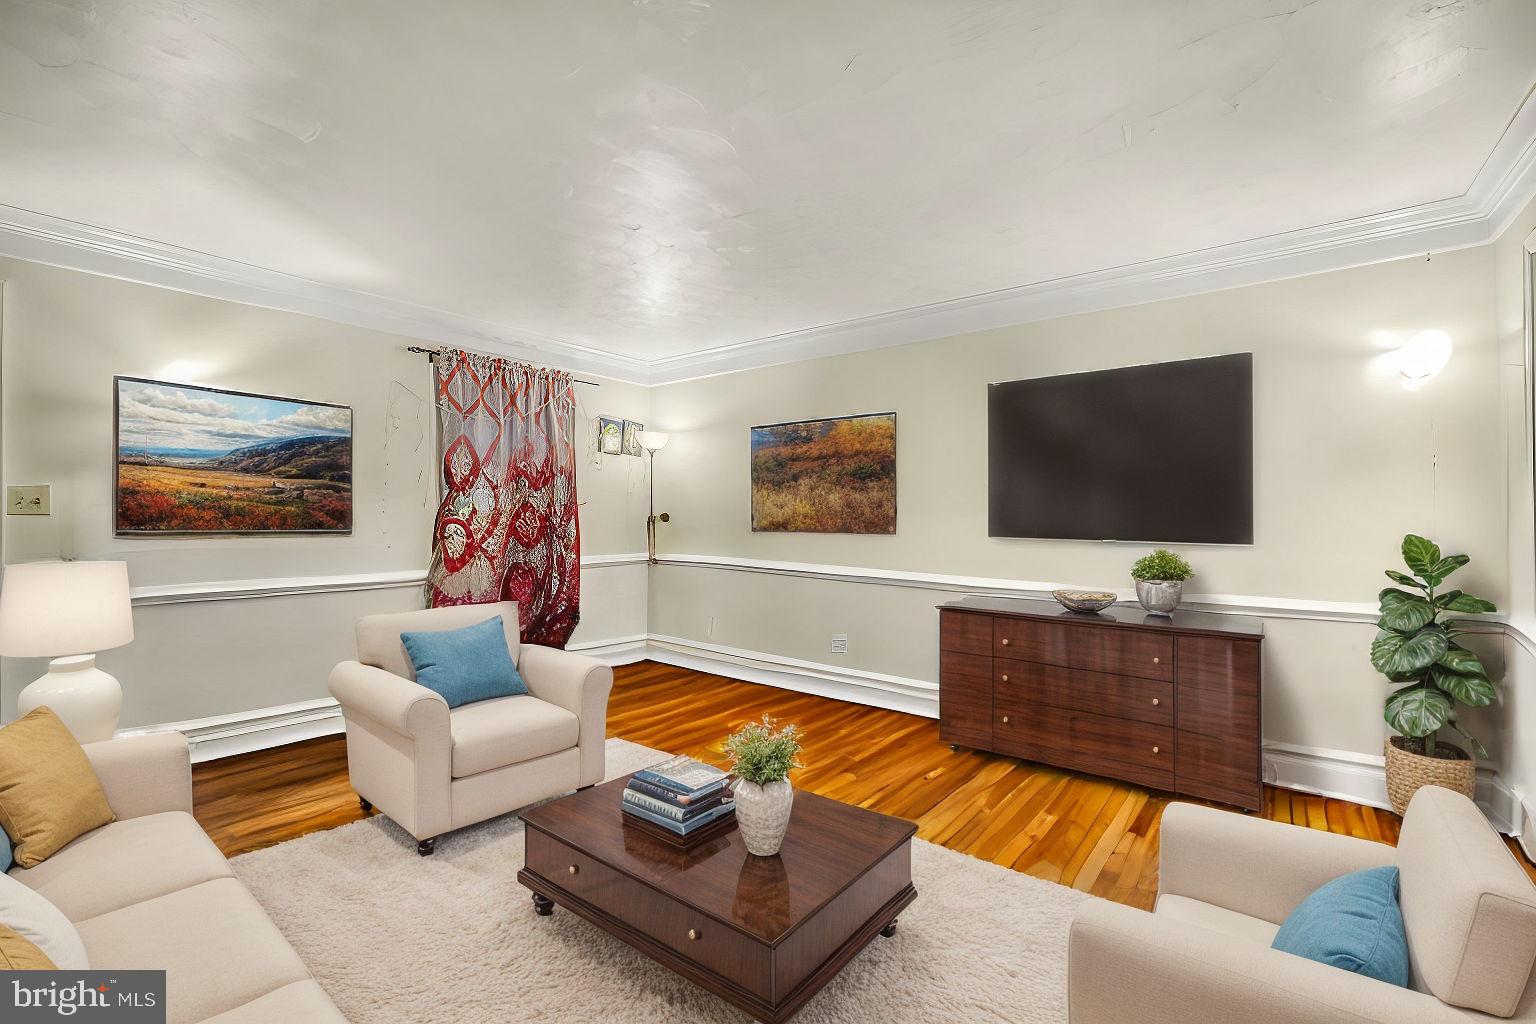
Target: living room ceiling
[[658, 178]]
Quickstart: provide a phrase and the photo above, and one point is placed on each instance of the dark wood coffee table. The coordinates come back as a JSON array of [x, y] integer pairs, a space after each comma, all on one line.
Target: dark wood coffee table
[[763, 933]]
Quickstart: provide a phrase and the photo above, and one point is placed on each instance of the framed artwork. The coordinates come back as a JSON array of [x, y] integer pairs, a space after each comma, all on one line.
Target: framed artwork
[[610, 436], [194, 460], [632, 437], [825, 476]]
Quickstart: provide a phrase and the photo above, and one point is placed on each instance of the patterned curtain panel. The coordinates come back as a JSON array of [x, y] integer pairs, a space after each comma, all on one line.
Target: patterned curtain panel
[[506, 529]]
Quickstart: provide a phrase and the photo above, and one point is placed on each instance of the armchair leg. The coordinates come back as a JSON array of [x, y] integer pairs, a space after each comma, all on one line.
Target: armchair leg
[[367, 807], [426, 846]]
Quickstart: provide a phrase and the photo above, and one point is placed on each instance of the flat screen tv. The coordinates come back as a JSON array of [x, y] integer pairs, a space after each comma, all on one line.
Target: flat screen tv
[[1161, 453]]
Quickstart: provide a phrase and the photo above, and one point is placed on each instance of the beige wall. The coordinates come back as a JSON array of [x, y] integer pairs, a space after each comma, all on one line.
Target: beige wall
[[65, 334], [1346, 462]]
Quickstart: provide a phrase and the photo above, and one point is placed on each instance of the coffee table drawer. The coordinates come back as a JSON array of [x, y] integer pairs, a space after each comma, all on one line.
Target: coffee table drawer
[[695, 936]]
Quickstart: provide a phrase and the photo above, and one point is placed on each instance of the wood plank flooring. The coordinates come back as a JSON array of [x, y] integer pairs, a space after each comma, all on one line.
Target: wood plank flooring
[[1090, 833]]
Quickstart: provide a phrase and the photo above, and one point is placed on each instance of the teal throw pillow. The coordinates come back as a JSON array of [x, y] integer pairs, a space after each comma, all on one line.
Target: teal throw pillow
[[465, 665], [1353, 922]]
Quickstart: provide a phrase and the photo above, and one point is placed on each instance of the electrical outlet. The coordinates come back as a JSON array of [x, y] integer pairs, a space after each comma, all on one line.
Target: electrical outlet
[[839, 643], [27, 500]]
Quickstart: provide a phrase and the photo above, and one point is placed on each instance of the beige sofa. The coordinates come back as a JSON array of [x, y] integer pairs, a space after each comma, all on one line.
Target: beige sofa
[[434, 769], [150, 891], [1227, 882]]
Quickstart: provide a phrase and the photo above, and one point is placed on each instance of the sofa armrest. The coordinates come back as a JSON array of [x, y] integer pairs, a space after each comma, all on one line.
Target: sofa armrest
[[1256, 867], [1127, 965], [580, 685], [145, 774], [392, 701]]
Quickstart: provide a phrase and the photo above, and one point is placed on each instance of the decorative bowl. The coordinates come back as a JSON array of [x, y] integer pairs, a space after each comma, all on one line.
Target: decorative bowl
[[1084, 600]]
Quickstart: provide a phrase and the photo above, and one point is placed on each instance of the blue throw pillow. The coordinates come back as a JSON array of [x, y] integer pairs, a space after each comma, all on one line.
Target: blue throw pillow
[[1352, 922], [7, 858], [465, 665]]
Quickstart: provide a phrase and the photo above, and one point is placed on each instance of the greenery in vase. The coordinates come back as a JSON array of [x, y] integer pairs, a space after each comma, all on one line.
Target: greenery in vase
[[1419, 652], [762, 754], [1161, 566]]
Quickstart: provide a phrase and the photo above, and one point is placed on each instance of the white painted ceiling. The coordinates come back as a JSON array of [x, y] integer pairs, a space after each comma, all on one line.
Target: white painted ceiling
[[661, 177]]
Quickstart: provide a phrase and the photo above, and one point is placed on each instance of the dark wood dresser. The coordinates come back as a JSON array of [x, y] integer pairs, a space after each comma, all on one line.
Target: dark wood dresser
[[1169, 703]]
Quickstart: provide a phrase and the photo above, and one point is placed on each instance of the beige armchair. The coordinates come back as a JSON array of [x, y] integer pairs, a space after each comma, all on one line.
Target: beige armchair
[[433, 769], [1228, 881]]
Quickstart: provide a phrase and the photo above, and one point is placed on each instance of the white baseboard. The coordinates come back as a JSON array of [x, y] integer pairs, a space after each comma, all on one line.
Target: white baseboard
[[1362, 779], [895, 693], [246, 731]]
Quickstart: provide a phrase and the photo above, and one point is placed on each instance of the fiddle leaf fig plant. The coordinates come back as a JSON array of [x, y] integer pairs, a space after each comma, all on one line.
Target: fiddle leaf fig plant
[[1420, 653]]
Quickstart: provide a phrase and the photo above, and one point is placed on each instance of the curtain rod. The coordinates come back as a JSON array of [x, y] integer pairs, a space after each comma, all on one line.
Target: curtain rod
[[431, 353]]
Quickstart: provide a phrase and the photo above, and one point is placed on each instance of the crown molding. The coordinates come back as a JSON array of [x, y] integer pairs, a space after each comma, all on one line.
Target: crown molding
[[1503, 185]]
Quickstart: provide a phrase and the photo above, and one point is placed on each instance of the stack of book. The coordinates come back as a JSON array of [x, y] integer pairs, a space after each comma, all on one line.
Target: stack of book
[[681, 796]]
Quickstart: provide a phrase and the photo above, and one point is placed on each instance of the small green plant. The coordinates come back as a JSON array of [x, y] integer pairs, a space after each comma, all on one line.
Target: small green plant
[[1161, 566], [1420, 654], [762, 754]]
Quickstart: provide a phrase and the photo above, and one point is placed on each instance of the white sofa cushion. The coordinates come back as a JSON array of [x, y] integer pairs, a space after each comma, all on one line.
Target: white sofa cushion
[[303, 1002], [30, 915], [378, 636], [508, 730], [127, 862], [1217, 919], [217, 946]]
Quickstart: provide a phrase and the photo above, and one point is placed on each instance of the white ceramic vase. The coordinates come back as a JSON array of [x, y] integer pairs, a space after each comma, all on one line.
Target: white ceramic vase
[[762, 814]]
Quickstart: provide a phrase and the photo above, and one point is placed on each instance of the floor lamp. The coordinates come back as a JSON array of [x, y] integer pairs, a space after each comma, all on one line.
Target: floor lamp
[[653, 441]]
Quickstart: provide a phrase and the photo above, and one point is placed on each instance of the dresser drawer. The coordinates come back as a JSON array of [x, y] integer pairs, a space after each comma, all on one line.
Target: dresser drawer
[[1141, 700], [965, 633], [701, 939], [1022, 683], [1122, 740], [1124, 652]]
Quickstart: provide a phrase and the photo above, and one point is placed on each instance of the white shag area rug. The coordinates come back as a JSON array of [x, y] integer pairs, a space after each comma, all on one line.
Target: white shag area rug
[[394, 937]]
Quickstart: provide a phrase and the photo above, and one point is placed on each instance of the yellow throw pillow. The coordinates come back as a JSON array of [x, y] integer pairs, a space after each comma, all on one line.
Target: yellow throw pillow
[[49, 793], [17, 954]]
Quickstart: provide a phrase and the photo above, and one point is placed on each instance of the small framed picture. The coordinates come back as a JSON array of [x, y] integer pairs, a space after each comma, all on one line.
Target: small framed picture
[[610, 436], [632, 437]]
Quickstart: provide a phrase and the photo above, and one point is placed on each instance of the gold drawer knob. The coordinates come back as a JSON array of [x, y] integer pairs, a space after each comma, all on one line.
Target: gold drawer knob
[[1155, 702], [573, 869], [1155, 750], [693, 935], [1005, 719], [1005, 677], [1005, 641], [1157, 661]]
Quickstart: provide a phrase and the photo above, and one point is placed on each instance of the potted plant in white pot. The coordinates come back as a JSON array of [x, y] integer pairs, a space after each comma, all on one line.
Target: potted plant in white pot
[[1160, 580], [1431, 672], [762, 758]]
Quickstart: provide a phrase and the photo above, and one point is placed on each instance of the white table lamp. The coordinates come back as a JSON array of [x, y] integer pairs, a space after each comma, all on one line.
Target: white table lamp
[[68, 611]]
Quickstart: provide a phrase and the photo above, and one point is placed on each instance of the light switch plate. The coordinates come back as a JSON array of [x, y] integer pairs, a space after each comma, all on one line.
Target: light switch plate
[[27, 500]]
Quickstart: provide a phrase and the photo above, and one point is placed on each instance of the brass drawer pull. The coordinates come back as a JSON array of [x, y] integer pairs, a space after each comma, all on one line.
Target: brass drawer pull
[[1157, 661], [1155, 750], [693, 935], [573, 869], [1005, 677], [1005, 719], [1155, 702], [1005, 641]]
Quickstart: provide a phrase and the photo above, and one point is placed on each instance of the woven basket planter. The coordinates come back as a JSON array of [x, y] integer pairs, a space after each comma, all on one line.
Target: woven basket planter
[[1407, 771]]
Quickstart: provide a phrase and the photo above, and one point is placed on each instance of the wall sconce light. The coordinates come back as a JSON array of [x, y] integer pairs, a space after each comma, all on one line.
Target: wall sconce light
[[1422, 357], [653, 441]]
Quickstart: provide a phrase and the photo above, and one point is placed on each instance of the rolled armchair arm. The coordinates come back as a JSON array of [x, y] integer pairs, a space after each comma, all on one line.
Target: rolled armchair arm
[[1127, 965], [146, 774], [580, 685], [1256, 867], [396, 703]]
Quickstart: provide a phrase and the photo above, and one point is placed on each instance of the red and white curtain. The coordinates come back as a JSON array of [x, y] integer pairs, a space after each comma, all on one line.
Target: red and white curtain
[[506, 527]]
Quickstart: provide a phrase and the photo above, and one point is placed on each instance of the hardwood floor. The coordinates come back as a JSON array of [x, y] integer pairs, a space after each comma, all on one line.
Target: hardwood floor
[[1090, 833]]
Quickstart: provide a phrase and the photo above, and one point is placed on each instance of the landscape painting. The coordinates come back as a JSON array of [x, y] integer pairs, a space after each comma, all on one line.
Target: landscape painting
[[199, 460], [825, 476]]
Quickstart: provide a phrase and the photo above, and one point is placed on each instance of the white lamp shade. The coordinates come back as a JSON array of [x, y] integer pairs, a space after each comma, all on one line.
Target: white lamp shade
[[50, 609], [653, 441]]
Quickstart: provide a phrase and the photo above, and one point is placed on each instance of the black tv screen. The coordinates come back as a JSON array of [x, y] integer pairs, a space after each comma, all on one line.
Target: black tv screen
[[1160, 453]]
